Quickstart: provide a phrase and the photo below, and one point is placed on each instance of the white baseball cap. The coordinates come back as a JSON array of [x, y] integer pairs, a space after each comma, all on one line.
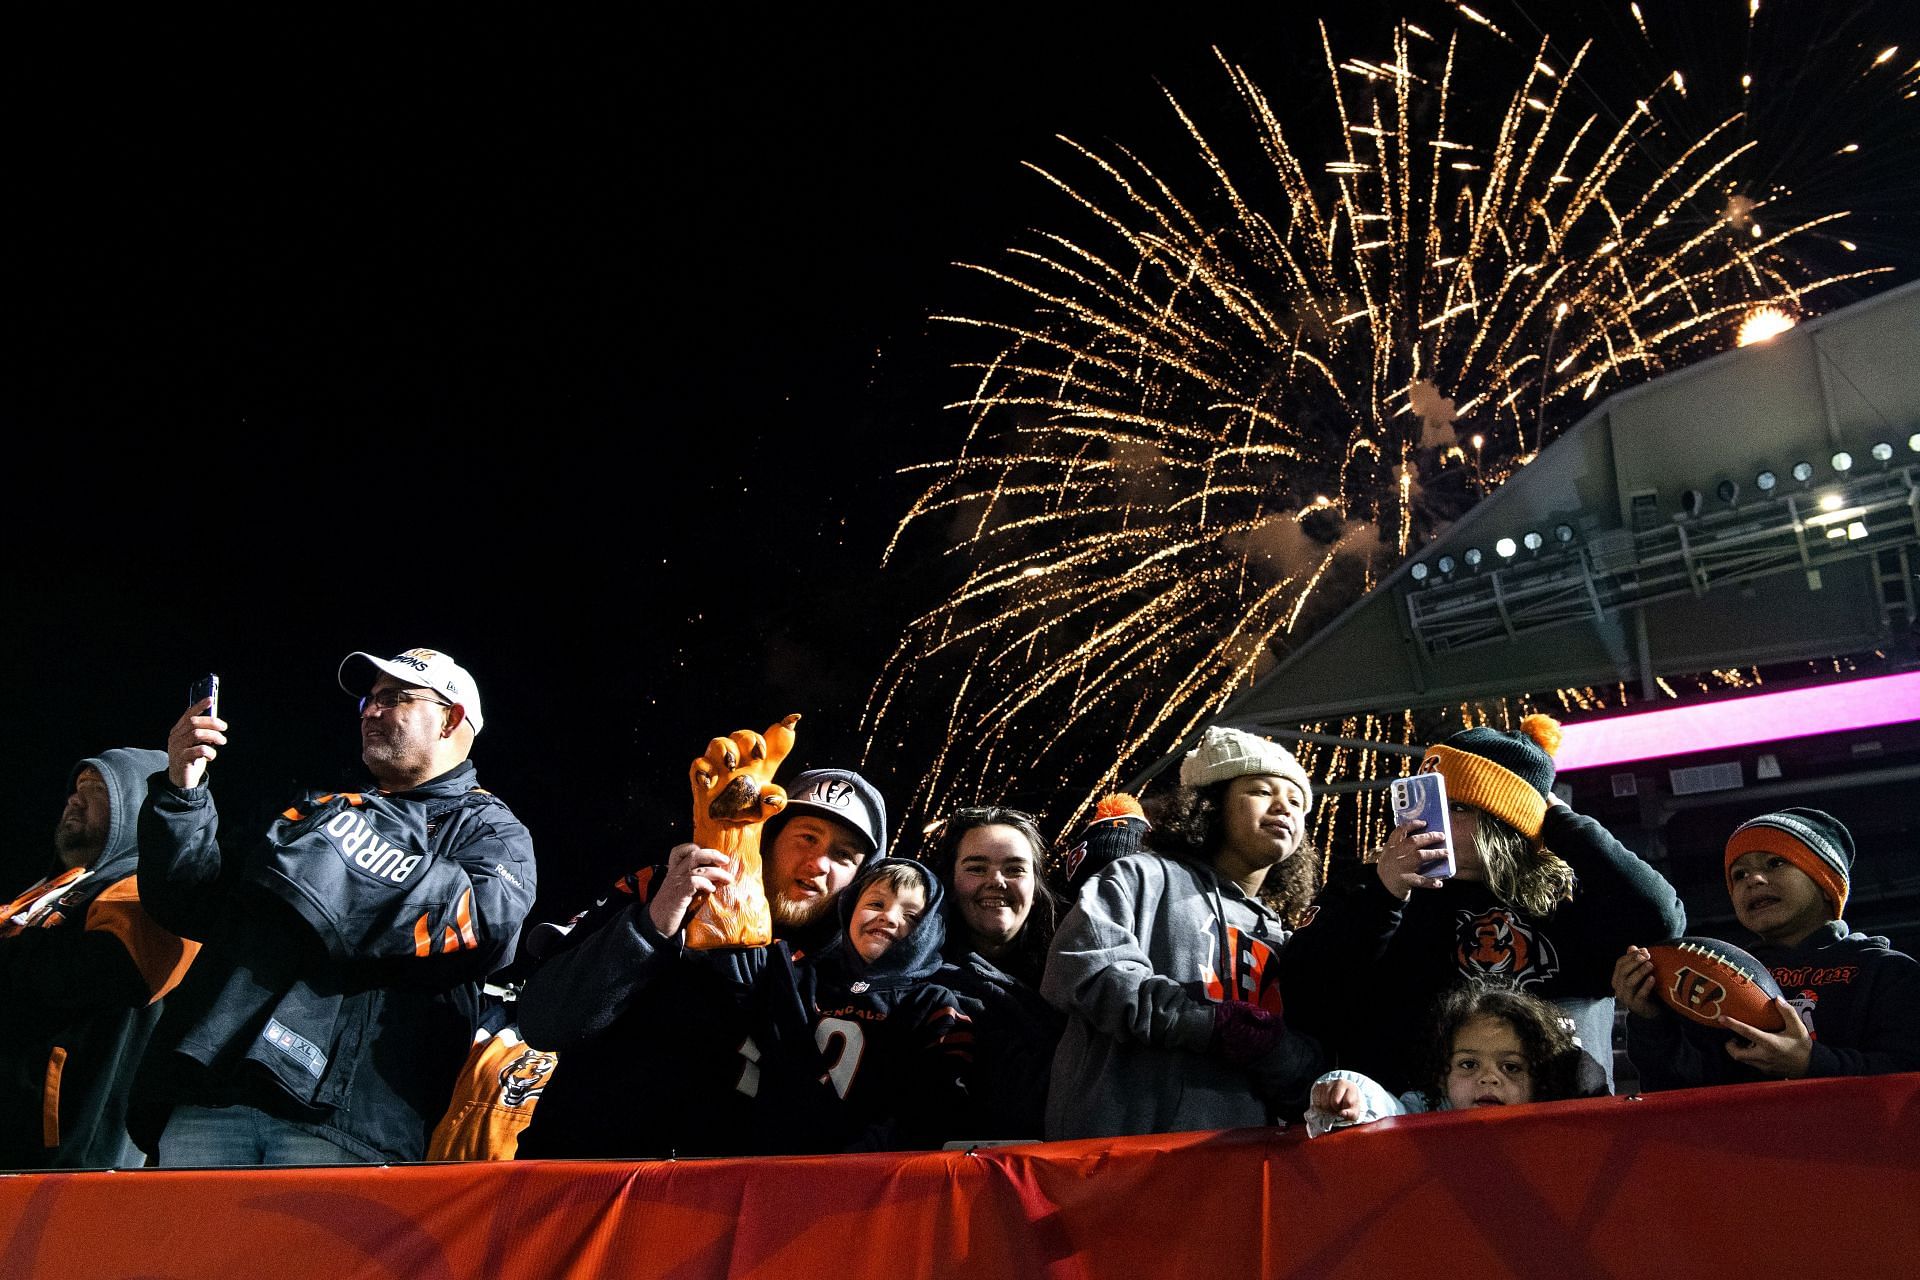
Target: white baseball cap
[[426, 668]]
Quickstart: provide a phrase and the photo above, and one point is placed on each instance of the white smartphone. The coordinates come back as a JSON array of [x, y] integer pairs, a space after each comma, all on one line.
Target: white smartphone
[[1424, 796]]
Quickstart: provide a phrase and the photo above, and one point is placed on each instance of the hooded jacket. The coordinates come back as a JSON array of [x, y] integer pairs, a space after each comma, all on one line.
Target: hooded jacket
[[632, 1024], [339, 983], [1014, 1034], [1138, 966], [83, 967], [740, 1051], [1858, 997], [856, 1055]]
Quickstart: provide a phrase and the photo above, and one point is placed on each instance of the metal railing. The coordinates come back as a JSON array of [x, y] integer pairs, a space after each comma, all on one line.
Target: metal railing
[[1863, 515]]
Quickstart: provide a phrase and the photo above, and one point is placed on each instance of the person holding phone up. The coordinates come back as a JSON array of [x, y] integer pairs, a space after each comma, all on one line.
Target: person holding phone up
[[338, 983], [1540, 897]]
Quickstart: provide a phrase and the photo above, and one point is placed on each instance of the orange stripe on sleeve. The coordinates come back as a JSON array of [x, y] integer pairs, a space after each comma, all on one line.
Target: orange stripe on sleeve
[[50, 1099], [464, 918], [422, 937]]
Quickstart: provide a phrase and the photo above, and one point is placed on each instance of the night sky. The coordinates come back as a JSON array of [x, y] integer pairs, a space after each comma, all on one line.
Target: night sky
[[586, 353]]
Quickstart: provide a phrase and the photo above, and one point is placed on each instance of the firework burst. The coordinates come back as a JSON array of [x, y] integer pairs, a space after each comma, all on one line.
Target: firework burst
[[1212, 420]]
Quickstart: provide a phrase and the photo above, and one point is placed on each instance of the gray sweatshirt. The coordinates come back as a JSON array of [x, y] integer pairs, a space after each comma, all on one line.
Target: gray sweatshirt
[[1138, 965]]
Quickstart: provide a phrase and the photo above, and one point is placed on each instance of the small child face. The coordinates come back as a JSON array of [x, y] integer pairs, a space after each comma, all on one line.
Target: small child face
[[1488, 1067], [1775, 899], [883, 916]]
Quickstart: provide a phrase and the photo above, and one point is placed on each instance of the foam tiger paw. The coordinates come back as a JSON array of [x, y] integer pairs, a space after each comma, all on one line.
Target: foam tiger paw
[[733, 796]]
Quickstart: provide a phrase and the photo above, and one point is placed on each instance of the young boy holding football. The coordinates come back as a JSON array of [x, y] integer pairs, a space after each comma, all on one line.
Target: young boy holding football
[[1852, 1003]]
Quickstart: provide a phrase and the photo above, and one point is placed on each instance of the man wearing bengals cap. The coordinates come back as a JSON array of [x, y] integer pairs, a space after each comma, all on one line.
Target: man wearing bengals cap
[[332, 1003], [1852, 1003], [652, 1049]]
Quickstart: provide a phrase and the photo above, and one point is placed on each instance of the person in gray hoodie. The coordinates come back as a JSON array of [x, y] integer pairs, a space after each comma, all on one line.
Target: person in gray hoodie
[[1166, 966], [83, 968]]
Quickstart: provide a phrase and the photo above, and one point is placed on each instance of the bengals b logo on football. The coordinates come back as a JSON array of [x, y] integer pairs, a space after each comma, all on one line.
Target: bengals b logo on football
[[1697, 992]]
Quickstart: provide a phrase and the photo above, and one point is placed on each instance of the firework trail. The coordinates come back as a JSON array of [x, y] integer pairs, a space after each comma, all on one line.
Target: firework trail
[[1215, 419]]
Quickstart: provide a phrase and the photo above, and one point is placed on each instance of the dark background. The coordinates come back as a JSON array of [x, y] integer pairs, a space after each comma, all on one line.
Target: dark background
[[588, 353]]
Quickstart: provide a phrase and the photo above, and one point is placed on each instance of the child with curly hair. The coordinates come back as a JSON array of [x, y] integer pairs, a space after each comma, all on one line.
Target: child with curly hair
[[1166, 966], [1492, 1046]]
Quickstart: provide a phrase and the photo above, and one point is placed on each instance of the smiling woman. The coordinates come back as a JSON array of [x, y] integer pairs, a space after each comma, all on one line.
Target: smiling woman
[[1000, 921], [991, 859]]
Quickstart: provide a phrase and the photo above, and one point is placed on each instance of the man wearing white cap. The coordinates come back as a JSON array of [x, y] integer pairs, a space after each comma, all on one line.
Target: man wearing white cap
[[343, 952]]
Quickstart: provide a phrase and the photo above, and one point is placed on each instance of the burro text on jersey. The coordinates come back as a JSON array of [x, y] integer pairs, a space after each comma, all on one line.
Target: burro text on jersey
[[360, 845]]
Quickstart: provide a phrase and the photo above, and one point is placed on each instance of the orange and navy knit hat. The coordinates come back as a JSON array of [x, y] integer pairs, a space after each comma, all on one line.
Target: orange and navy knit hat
[[1115, 830], [1505, 774], [1811, 840]]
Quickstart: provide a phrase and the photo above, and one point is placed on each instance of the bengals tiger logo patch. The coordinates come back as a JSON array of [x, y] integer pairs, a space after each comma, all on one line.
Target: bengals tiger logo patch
[[525, 1076], [1499, 944]]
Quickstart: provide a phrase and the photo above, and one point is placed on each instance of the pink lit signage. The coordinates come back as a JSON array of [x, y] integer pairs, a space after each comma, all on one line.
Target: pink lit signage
[[1740, 722]]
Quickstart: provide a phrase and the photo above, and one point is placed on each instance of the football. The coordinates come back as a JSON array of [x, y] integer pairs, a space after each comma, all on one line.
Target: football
[[1703, 978]]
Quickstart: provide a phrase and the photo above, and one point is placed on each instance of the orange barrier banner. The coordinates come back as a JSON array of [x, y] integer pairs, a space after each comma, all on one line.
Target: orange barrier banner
[[1793, 1178]]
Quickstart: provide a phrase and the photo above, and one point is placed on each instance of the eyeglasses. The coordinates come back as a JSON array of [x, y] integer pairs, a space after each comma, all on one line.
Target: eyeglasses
[[388, 699]]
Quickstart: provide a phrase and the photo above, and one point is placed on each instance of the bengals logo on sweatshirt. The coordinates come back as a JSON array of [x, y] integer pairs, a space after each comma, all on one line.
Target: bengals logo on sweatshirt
[[1500, 944]]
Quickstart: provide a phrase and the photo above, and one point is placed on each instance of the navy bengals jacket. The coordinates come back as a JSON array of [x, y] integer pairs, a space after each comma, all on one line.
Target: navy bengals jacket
[[339, 976]]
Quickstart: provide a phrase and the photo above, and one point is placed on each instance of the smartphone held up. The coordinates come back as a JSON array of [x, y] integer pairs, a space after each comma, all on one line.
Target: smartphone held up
[[1424, 796], [205, 689]]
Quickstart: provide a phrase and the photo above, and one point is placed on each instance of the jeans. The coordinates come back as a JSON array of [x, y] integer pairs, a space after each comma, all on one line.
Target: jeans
[[199, 1137]]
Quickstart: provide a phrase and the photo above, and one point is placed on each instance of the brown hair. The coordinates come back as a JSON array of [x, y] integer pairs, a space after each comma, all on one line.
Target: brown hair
[[1530, 878], [1545, 1035], [897, 876]]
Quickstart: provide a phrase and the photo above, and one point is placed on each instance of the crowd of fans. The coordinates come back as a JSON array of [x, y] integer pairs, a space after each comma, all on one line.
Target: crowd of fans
[[318, 993]]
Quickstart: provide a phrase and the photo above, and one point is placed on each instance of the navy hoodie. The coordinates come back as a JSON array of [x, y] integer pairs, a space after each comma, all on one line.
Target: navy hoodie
[[852, 1056]]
